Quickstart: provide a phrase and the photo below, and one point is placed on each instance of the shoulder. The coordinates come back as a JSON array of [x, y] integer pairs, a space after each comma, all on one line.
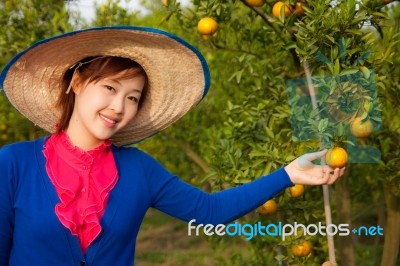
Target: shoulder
[[134, 156], [21, 147], [131, 153], [18, 151], [16, 160]]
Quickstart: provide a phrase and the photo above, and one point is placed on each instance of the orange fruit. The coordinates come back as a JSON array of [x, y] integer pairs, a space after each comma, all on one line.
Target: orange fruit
[[296, 191], [361, 129], [387, 1], [328, 263], [298, 10], [336, 157], [207, 26], [269, 207], [302, 249], [276, 9], [255, 3], [164, 2]]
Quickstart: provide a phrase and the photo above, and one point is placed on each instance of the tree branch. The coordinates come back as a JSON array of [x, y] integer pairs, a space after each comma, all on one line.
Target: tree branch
[[269, 20], [189, 152], [218, 46]]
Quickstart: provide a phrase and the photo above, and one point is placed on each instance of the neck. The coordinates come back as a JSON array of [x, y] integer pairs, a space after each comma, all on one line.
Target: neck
[[80, 141]]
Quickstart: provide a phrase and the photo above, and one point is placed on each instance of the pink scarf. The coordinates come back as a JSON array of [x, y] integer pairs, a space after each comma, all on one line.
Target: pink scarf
[[83, 181]]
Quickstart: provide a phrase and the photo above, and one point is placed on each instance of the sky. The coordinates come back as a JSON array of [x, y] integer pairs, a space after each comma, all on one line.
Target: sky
[[86, 7]]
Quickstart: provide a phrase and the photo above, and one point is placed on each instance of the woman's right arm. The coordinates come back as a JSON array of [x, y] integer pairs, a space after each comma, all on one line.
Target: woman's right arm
[[6, 205]]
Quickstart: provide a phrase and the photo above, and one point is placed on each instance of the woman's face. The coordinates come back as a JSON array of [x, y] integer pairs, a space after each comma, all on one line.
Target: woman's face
[[103, 108]]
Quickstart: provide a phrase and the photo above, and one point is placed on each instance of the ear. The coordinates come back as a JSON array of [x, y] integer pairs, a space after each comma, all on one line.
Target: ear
[[76, 83]]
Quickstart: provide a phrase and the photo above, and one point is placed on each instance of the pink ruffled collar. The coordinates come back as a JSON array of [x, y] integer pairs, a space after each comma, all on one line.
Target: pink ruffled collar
[[83, 181]]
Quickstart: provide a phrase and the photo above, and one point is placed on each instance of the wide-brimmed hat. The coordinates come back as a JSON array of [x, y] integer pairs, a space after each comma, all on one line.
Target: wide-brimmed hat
[[178, 75]]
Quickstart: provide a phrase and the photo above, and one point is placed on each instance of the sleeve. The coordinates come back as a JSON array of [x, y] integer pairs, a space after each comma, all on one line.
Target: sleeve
[[6, 206], [184, 201]]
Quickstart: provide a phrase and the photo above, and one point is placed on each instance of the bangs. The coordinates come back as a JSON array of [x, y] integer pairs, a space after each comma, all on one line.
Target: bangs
[[104, 67]]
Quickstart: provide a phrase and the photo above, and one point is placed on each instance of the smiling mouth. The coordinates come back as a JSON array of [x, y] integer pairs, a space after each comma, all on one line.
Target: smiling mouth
[[109, 120]]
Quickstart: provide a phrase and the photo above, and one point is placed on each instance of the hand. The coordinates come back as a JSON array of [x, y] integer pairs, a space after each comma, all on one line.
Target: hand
[[303, 171]]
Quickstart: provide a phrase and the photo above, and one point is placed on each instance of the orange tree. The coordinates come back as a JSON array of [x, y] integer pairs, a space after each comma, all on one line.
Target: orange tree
[[389, 168], [247, 119], [23, 23], [345, 51]]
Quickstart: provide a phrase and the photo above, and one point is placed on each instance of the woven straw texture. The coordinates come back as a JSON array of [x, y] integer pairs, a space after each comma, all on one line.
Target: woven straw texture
[[177, 79]]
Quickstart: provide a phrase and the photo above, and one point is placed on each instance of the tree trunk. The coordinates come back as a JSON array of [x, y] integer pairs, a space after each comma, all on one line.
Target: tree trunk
[[189, 152], [343, 212], [391, 230]]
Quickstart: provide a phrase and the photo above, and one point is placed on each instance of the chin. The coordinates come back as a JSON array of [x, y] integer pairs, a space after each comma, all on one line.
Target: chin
[[103, 137]]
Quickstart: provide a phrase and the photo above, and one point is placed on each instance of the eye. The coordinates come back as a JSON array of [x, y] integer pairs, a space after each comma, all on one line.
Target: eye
[[133, 99], [110, 88]]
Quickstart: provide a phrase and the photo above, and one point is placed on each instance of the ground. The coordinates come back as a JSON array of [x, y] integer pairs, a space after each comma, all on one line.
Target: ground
[[164, 241]]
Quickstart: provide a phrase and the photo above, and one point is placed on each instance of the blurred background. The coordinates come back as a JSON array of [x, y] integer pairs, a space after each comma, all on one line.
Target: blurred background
[[244, 128]]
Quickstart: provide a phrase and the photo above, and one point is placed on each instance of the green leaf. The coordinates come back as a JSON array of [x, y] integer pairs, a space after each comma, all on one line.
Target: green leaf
[[270, 133], [365, 71], [330, 38], [290, 158], [336, 69], [355, 32], [349, 71], [322, 125], [322, 58], [290, 45]]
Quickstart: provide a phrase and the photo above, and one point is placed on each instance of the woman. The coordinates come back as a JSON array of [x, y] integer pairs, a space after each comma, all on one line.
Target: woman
[[78, 196]]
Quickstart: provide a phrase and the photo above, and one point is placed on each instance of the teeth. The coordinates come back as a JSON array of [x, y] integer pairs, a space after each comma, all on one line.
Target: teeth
[[109, 120]]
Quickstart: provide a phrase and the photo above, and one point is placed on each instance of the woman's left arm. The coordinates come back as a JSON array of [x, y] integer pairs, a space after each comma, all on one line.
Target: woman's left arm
[[181, 200], [187, 202]]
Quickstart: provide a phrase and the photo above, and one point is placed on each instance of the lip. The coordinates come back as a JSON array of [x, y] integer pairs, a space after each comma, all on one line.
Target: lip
[[109, 121]]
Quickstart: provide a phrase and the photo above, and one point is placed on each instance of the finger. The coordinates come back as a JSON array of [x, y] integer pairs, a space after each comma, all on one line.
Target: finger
[[325, 168], [338, 172], [334, 176], [342, 171], [327, 177]]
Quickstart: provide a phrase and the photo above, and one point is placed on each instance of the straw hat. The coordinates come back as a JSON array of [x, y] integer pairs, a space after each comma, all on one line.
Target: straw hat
[[178, 75]]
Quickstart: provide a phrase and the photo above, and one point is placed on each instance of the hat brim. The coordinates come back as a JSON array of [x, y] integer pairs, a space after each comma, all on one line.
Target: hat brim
[[178, 75]]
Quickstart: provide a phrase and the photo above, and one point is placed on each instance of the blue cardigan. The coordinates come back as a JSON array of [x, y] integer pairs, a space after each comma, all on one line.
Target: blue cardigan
[[31, 234]]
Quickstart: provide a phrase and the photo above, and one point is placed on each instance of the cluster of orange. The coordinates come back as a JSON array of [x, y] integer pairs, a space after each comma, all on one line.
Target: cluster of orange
[[336, 157], [276, 9], [208, 26], [269, 208], [297, 9]]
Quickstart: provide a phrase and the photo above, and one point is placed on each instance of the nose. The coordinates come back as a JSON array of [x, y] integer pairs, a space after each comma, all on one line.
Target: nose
[[118, 105]]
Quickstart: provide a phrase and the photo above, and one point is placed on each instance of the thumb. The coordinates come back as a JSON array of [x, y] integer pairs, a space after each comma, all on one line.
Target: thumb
[[315, 155]]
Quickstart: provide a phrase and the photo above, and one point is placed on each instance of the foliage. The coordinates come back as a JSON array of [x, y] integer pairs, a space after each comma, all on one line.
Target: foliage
[[258, 115], [23, 23], [348, 50]]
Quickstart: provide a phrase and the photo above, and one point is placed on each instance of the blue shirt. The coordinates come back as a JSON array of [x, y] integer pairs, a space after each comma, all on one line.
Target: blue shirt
[[31, 234]]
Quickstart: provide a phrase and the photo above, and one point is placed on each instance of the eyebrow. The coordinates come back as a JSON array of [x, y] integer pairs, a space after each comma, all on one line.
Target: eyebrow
[[119, 83]]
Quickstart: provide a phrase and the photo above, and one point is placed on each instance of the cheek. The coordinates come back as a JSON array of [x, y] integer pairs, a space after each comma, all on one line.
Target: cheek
[[131, 112], [92, 102]]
